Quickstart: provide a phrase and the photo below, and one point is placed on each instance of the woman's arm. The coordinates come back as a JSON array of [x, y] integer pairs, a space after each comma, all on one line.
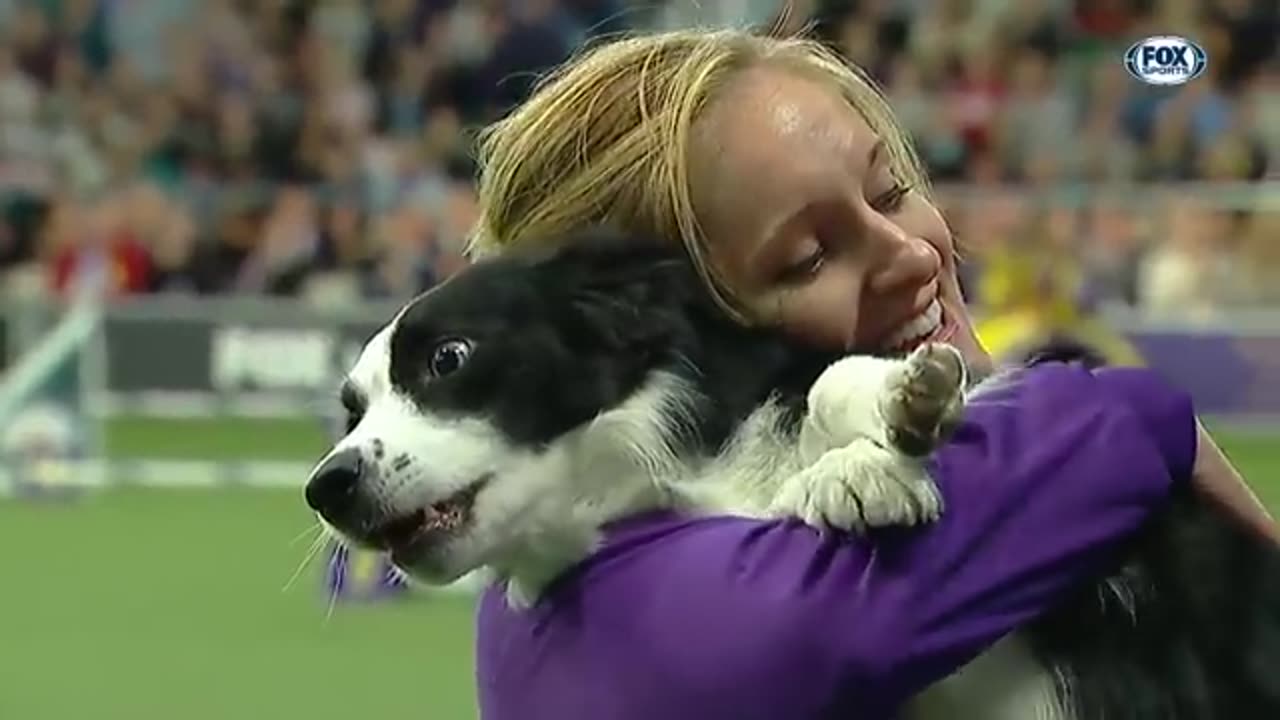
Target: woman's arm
[[1050, 473], [1220, 483]]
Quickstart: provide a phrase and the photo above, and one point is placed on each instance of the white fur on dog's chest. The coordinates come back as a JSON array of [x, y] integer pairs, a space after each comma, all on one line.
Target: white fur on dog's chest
[[1004, 683]]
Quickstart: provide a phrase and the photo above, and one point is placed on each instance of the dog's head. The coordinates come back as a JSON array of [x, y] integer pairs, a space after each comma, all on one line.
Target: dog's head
[[471, 415]]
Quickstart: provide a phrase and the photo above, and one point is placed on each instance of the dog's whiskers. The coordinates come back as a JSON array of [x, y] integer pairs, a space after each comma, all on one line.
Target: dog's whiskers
[[314, 527], [317, 543]]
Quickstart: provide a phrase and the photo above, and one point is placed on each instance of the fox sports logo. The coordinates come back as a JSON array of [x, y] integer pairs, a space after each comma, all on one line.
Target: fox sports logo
[[1165, 60]]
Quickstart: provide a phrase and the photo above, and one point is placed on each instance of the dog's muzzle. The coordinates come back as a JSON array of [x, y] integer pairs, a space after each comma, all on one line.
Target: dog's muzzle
[[339, 492]]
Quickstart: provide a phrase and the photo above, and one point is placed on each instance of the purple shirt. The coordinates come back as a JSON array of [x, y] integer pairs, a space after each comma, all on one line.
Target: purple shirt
[[698, 618]]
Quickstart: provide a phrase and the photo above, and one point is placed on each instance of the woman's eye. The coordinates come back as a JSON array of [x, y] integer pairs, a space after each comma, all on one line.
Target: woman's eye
[[805, 268], [448, 357], [891, 200]]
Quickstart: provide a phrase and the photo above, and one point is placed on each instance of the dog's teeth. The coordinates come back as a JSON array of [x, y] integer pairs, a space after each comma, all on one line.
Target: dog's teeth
[[432, 518]]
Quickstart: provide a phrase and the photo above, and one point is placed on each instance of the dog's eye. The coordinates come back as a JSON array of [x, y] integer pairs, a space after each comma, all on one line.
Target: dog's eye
[[353, 406], [449, 356]]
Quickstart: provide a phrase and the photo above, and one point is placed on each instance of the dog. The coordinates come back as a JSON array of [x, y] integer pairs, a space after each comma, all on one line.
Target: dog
[[576, 386]]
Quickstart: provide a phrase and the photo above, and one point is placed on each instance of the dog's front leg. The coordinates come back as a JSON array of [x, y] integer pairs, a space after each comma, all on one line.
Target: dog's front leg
[[870, 423]]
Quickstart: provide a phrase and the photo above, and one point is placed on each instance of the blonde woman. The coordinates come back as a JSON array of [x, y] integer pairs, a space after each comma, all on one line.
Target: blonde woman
[[787, 179]]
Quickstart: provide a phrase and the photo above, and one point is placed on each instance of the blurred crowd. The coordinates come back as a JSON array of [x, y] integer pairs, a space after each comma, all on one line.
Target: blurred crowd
[[320, 147]]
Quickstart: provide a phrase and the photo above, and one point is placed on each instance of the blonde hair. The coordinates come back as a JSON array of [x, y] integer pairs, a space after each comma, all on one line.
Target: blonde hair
[[606, 139]]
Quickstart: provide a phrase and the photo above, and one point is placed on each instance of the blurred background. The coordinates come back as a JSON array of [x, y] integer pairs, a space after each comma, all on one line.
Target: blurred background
[[206, 207]]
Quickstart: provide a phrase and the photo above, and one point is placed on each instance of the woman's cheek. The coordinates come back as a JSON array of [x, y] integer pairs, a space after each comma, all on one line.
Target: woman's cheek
[[822, 315]]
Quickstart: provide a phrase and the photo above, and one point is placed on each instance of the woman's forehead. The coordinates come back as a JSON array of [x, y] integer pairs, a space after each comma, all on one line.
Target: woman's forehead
[[769, 115], [777, 140]]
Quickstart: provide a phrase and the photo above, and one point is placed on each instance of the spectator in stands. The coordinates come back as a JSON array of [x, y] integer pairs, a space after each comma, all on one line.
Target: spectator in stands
[[403, 254], [34, 43], [10, 250], [234, 231], [1037, 113], [94, 245], [344, 241], [285, 246], [1258, 283], [1188, 273], [1105, 19], [1260, 110], [1250, 31], [1113, 246], [528, 42], [172, 242], [21, 141]]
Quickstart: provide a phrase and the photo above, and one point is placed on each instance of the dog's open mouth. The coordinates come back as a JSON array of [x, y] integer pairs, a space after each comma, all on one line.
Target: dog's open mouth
[[432, 523]]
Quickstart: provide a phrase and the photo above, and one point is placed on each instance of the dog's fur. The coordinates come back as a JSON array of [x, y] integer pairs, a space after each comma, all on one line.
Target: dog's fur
[[553, 393]]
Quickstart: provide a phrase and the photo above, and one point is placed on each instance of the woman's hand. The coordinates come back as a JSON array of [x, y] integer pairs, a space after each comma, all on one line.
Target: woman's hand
[[1222, 484]]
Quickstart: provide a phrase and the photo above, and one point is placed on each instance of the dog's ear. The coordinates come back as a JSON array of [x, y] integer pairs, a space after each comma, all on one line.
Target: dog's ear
[[635, 307], [609, 256], [620, 292]]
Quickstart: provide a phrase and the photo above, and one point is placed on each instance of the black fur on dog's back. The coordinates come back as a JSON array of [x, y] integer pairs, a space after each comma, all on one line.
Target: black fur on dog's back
[[1187, 628]]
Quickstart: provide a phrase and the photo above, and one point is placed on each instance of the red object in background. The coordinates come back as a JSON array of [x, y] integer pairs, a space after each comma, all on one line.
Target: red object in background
[[973, 104], [1108, 19], [128, 265]]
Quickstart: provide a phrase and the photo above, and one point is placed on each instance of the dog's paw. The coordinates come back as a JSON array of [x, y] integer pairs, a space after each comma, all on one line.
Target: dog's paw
[[858, 487], [924, 399]]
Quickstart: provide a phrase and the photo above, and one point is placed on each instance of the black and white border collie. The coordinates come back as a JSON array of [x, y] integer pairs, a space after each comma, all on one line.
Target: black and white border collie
[[501, 419]]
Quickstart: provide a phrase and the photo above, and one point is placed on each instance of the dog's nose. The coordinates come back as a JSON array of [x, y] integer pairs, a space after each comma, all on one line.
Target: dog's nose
[[333, 485]]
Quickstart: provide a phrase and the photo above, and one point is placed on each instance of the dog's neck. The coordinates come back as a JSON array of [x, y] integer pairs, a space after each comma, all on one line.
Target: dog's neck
[[635, 449], [546, 554]]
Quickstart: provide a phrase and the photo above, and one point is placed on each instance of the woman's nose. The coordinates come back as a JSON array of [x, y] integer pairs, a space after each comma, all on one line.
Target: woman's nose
[[908, 263]]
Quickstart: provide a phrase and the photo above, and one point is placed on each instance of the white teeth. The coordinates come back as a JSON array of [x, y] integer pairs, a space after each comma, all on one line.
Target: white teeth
[[919, 327]]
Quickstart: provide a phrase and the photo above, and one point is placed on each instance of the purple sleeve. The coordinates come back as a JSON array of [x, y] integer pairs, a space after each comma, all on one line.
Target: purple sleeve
[[1163, 410], [1049, 472]]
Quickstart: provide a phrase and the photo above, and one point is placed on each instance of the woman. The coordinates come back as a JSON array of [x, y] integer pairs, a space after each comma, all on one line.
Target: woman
[[794, 190]]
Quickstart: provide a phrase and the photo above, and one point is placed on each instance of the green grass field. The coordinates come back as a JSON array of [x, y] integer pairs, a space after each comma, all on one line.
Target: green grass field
[[151, 604]]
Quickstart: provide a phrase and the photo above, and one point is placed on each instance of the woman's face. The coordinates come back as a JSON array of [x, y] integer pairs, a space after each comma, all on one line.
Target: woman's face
[[807, 222]]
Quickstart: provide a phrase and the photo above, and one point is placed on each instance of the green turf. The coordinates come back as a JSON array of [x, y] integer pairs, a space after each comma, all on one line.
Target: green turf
[[169, 604], [1257, 455], [214, 438], [159, 604]]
